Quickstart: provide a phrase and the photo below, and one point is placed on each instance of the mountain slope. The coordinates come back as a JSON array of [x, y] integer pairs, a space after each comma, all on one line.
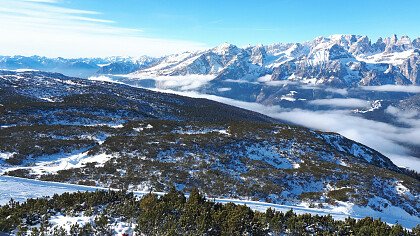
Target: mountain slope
[[97, 133]]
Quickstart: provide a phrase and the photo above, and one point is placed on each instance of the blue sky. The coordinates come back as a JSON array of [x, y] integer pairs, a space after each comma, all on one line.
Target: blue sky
[[72, 28]]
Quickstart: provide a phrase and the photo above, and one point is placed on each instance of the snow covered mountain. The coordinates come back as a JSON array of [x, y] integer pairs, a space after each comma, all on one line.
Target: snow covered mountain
[[127, 65], [65, 129], [339, 60], [80, 67]]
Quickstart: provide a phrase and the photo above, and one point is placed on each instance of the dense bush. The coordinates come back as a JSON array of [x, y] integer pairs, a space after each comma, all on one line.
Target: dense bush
[[174, 214]]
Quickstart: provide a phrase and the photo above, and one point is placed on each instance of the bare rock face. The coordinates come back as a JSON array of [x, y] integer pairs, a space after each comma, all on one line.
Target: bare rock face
[[416, 43], [410, 67], [395, 45], [405, 43], [379, 46], [361, 47], [391, 44], [380, 76], [258, 55]]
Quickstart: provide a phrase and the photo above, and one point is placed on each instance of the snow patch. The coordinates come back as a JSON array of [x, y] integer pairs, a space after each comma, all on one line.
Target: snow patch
[[268, 155], [395, 58], [51, 164], [289, 96], [224, 89], [191, 131], [6, 155]]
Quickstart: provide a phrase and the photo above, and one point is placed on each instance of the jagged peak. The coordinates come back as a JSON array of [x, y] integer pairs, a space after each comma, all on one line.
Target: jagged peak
[[380, 40], [363, 38], [405, 40], [344, 36], [392, 39], [224, 47]]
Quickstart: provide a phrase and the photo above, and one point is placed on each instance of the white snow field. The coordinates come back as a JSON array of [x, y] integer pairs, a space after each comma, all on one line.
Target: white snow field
[[21, 189]]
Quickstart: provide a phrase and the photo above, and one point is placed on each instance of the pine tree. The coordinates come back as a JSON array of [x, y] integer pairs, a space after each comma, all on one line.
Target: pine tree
[[416, 230], [148, 218], [59, 231], [22, 230], [397, 230], [35, 232]]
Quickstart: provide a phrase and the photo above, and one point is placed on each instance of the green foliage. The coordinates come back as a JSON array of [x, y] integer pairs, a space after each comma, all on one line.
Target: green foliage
[[340, 194], [174, 214]]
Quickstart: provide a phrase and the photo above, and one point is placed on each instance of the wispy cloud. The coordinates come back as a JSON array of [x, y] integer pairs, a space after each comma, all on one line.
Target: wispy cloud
[[45, 27], [393, 88], [341, 102], [43, 1], [341, 91]]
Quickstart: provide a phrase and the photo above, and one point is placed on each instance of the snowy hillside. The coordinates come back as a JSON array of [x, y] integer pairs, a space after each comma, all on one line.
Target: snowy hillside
[[102, 134]]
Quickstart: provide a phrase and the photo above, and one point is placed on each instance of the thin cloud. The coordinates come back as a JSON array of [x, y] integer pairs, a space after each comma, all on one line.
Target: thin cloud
[[45, 28], [42, 1], [393, 88], [341, 102], [341, 91]]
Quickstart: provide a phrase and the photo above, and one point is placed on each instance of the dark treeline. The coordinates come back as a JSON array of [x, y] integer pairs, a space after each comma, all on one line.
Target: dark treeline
[[174, 214]]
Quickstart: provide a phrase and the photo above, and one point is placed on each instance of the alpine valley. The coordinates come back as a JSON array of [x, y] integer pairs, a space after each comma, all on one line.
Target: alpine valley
[[121, 124]]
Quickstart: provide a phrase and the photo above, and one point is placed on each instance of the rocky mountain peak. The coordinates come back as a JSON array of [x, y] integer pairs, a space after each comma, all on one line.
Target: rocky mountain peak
[[394, 45], [416, 43], [344, 40], [338, 52], [405, 43], [361, 46], [225, 48], [258, 55]]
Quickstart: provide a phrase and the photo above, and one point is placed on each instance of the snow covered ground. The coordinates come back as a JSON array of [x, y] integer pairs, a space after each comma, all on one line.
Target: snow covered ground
[[21, 189], [61, 161]]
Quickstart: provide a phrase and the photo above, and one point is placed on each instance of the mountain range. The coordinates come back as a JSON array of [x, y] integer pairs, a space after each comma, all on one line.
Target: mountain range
[[337, 60], [80, 67]]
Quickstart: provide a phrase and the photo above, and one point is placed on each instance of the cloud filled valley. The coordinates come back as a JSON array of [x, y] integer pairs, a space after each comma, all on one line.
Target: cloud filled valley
[[342, 115], [383, 137]]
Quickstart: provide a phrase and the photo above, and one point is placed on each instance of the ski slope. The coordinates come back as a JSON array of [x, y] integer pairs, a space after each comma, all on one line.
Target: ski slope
[[21, 189]]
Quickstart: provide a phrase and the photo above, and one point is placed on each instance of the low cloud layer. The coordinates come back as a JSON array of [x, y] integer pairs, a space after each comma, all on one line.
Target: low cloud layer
[[181, 83], [341, 102], [393, 88], [341, 91]]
